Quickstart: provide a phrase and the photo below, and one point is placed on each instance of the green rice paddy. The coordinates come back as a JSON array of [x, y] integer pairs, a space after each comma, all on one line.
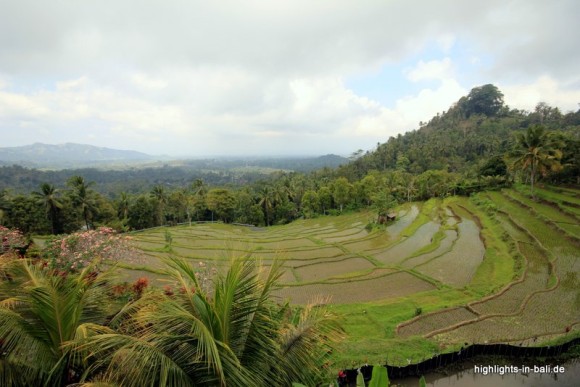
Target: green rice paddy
[[502, 267]]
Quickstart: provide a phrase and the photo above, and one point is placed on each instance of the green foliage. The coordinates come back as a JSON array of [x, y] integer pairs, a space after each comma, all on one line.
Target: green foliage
[[383, 202], [74, 252], [141, 213], [494, 166], [310, 204], [379, 377], [40, 314], [537, 152], [231, 334], [486, 100], [341, 192]]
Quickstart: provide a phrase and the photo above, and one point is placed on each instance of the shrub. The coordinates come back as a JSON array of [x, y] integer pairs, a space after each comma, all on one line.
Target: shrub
[[73, 252], [12, 240]]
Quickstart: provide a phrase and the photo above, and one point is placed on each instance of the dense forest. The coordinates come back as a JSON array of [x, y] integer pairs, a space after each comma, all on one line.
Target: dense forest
[[479, 143]]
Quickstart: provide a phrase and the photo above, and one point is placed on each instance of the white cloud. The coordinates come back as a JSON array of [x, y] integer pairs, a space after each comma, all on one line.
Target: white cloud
[[434, 69], [446, 42], [215, 77], [544, 89]]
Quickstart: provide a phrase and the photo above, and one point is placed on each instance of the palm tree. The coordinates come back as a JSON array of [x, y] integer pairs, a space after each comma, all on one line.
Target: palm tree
[[4, 202], [199, 190], [40, 312], [48, 196], [536, 151], [82, 197], [266, 201], [160, 196], [123, 206], [230, 333]]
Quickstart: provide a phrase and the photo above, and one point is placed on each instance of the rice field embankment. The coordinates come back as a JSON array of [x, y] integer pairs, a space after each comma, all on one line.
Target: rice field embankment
[[500, 267]]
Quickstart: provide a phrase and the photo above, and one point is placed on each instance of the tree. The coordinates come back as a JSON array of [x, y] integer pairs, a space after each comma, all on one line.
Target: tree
[[536, 151], [199, 190], [383, 201], [325, 197], [4, 203], [341, 190], [83, 198], [221, 202], [486, 99], [141, 213], [25, 214], [310, 204], [368, 186], [435, 183], [247, 211], [48, 197], [266, 201], [123, 205], [158, 193], [494, 166], [40, 314], [227, 333]]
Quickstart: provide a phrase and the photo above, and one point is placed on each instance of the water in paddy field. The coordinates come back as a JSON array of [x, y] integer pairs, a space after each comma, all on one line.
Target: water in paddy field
[[468, 378]]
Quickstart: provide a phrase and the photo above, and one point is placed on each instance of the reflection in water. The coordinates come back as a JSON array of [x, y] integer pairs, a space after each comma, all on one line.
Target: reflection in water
[[468, 378]]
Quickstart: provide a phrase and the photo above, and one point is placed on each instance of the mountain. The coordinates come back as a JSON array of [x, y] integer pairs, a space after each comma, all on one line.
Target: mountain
[[67, 155], [476, 128]]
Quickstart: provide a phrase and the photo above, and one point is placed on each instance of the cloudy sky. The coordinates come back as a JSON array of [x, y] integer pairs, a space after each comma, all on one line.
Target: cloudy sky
[[300, 77]]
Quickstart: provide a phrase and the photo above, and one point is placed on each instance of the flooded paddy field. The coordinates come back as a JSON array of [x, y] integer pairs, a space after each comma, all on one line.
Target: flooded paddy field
[[443, 273]]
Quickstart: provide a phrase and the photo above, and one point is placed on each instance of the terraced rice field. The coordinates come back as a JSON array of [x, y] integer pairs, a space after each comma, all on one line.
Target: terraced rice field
[[444, 273]]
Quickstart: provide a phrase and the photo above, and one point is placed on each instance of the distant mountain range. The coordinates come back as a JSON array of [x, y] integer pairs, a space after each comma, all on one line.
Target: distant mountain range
[[67, 155], [75, 156]]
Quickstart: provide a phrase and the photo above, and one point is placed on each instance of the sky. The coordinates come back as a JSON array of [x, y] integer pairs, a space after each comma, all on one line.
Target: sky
[[301, 77]]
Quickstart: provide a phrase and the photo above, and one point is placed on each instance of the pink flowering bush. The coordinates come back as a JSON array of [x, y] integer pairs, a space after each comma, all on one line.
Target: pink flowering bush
[[76, 251], [11, 240]]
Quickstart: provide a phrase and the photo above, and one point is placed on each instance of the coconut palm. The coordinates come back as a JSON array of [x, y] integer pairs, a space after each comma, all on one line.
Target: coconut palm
[[266, 201], [231, 333], [536, 151], [48, 197], [199, 191], [40, 312], [123, 206], [160, 196], [83, 198]]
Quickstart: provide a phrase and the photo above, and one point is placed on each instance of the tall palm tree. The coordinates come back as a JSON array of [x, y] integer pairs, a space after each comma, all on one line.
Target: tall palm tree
[[266, 201], [40, 313], [48, 197], [199, 190], [123, 206], [4, 202], [231, 333], [160, 196], [536, 151], [83, 198]]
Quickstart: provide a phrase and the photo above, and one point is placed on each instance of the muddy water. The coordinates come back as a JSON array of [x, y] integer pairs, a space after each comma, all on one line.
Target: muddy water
[[468, 378], [400, 251], [445, 246], [405, 219], [465, 256]]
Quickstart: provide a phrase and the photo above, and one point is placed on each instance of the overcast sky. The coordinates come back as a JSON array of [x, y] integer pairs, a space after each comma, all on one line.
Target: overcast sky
[[272, 77]]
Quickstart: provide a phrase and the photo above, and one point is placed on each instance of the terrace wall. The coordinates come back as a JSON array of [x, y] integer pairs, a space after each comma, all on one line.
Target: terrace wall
[[446, 359]]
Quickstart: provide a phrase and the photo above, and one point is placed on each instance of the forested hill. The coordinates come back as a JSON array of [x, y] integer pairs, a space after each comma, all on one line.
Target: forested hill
[[476, 128], [66, 155]]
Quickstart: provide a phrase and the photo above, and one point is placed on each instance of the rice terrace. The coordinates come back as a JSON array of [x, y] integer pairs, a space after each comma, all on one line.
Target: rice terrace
[[498, 267]]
